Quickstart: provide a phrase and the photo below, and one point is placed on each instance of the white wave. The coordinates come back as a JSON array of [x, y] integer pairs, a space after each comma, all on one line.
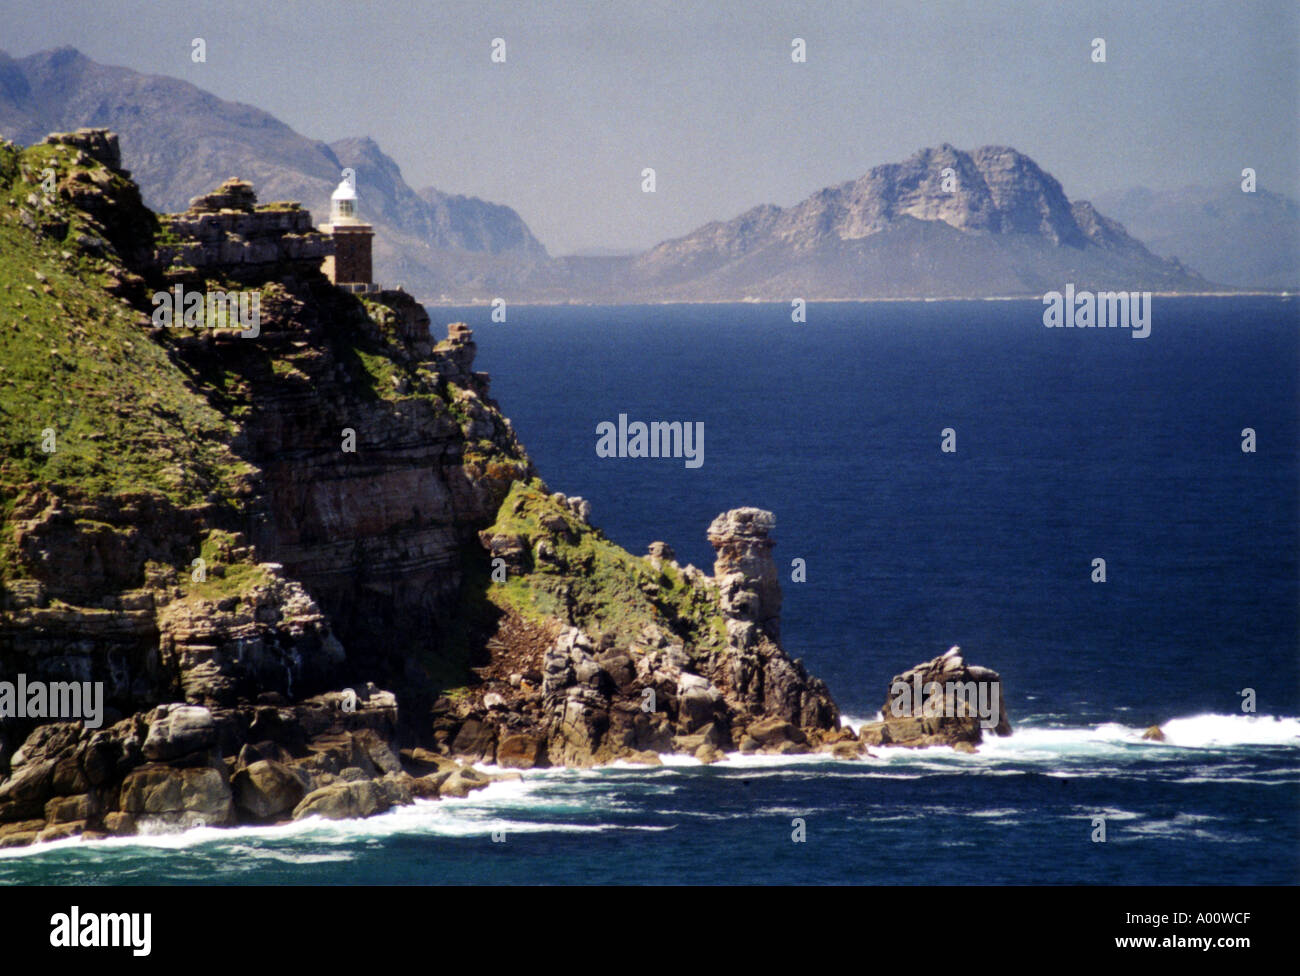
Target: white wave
[[1196, 732], [1201, 731], [478, 814], [1252, 781], [854, 723], [542, 800]]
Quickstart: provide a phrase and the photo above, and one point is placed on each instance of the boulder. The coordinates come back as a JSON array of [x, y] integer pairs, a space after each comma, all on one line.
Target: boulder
[[711, 735], [69, 779], [347, 801], [578, 728], [61, 831], [51, 741], [428, 787], [252, 752], [698, 702], [178, 730], [475, 741], [68, 809], [659, 553], [421, 762], [121, 824], [521, 752], [20, 833], [462, 782], [772, 732], [334, 752], [377, 750], [707, 754], [619, 667], [268, 790], [874, 734], [24, 793], [196, 796], [644, 758], [944, 701]]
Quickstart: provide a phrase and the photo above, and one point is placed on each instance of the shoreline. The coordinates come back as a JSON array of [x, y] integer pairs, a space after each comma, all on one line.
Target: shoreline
[[1094, 734], [582, 303]]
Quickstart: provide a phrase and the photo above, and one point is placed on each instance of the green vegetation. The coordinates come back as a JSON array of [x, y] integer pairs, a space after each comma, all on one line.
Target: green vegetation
[[228, 570], [591, 581], [382, 371], [88, 401]]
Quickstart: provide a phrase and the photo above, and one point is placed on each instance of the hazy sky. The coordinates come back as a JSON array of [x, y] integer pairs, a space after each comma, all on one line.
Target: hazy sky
[[707, 93]]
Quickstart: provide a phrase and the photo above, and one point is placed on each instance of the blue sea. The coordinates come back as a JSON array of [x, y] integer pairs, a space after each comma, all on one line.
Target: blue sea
[[1071, 446]]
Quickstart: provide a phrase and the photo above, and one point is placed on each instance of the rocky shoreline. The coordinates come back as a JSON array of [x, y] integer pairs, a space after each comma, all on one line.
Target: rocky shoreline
[[338, 756], [286, 628]]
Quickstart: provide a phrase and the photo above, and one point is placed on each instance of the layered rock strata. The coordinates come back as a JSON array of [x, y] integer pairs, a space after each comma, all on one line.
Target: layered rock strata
[[234, 531]]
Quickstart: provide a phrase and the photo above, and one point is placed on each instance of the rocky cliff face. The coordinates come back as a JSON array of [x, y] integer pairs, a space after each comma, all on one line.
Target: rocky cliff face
[[246, 538], [621, 657], [441, 220]]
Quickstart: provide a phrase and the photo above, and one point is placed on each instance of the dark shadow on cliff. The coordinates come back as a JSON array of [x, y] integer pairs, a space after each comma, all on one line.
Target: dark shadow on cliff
[[463, 644]]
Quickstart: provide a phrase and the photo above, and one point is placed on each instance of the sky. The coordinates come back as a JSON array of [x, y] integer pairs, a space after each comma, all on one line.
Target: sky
[[707, 94]]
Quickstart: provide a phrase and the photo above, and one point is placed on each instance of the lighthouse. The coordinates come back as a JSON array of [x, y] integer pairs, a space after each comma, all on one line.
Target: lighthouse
[[349, 266]]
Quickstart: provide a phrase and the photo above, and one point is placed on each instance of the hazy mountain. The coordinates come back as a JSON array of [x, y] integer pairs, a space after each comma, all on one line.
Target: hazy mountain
[[1003, 227], [1246, 239], [180, 141]]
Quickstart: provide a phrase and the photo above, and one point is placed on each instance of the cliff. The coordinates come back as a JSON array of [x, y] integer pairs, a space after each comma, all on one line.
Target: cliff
[[435, 242], [310, 563]]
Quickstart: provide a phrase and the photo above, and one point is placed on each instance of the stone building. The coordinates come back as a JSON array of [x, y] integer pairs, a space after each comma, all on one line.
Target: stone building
[[349, 266], [228, 233]]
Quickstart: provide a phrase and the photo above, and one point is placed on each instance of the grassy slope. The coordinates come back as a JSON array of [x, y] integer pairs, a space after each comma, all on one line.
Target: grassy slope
[[77, 360], [601, 586]]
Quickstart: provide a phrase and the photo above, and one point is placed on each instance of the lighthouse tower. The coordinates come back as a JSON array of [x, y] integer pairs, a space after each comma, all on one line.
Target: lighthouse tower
[[349, 266]]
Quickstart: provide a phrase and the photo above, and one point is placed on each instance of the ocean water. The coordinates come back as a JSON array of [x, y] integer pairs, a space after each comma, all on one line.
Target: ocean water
[[1072, 445]]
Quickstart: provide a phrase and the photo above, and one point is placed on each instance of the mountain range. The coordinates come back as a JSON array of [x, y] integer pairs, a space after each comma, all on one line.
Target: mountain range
[[943, 223], [1250, 240], [427, 239]]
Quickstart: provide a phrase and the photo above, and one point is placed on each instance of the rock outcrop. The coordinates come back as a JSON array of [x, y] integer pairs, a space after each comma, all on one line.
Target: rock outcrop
[[225, 232], [234, 529], [180, 766], [941, 702], [682, 662]]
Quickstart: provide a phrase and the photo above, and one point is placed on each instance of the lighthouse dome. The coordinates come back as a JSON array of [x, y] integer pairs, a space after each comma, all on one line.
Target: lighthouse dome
[[343, 203]]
